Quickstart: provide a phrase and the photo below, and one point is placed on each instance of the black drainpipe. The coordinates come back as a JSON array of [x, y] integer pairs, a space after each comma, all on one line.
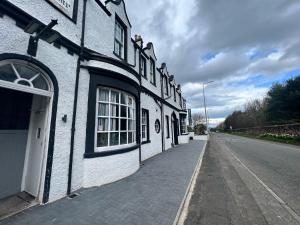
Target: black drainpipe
[[75, 100], [140, 109], [162, 114]]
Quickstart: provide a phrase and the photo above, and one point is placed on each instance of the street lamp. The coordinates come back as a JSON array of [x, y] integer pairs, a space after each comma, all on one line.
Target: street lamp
[[205, 103]]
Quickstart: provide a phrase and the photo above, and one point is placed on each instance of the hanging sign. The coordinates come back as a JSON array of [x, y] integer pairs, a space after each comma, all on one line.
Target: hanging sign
[[66, 6]]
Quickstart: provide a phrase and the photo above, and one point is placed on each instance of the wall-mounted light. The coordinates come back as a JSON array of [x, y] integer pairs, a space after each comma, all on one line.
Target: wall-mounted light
[[64, 118]]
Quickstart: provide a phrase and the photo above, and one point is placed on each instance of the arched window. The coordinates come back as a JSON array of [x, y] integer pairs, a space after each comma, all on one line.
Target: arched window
[[24, 76]]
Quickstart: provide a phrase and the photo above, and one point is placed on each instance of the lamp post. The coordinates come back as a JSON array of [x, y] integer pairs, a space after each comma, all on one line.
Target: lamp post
[[205, 103]]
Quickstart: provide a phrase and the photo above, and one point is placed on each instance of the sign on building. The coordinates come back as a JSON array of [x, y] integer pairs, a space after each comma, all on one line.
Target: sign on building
[[66, 6]]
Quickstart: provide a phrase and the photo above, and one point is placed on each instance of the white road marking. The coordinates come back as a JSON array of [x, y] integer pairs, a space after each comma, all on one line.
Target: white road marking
[[283, 203]]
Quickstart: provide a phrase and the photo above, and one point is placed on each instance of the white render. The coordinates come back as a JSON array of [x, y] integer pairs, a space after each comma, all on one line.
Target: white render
[[99, 37]]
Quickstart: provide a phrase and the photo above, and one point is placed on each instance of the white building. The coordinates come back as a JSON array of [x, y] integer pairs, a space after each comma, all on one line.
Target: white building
[[82, 103]]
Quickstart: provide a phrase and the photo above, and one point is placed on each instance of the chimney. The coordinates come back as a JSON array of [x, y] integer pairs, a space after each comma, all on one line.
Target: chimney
[[138, 40]]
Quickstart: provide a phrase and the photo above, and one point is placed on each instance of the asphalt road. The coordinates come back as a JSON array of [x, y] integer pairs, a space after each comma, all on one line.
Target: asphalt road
[[246, 181]]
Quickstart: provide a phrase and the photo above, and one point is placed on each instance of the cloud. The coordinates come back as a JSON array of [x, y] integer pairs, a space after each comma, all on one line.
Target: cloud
[[231, 42]]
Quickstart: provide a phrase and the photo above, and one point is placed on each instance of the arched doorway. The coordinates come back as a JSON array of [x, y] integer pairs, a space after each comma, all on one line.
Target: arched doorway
[[26, 99], [174, 129]]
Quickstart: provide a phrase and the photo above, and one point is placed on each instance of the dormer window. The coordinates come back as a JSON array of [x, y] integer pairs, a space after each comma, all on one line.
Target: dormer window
[[174, 89], [143, 67], [166, 85], [152, 72], [119, 40]]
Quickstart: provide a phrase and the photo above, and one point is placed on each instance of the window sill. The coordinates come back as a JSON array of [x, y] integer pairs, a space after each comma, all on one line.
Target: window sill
[[185, 134], [109, 153], [119, 57], [146, 142], [154, 84], [144, 77]]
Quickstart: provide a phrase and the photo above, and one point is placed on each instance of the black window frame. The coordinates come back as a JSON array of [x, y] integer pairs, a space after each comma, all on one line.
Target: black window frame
[[157, 122], [123, 25], [148, 126]]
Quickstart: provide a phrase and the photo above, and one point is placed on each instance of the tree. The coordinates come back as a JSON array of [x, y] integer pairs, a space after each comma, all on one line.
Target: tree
[[198, 118], [283, 101]]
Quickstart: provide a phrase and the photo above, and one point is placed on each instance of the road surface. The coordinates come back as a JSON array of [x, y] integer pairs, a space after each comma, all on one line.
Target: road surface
[[246, 181]]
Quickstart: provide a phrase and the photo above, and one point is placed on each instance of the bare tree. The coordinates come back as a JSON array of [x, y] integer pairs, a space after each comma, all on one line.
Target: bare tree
[[198, 118]]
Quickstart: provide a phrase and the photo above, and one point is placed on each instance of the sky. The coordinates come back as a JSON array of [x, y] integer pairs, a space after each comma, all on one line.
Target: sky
[[243, 46]]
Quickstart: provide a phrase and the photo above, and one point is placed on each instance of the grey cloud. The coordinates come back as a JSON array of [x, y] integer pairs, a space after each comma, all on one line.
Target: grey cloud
[[230, 28]]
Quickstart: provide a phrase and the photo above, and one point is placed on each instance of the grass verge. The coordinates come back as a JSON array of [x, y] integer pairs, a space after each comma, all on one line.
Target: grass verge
[[270, 137]]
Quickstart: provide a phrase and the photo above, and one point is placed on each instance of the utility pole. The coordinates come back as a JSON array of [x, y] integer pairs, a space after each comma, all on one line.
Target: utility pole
[[204, 99]]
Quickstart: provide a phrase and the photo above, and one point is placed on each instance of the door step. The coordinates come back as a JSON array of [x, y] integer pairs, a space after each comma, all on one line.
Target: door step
[[15, 204]]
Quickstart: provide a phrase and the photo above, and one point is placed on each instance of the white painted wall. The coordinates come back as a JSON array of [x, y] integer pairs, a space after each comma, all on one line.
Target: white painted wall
[[155, 147], [44, 12], [63, 66], [104, 170]]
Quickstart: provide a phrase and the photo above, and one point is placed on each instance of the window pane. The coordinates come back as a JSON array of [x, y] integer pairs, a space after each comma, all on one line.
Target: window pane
[[123, 124], [40, 83], [103, 109], [102, 124], [123, 111], [7, 73], [114, 124], [123, 99], [143, 131], [130, 101], [130, 137], [103, 95], [123, 138], [130, 113], [117, 48], [114, 139], [114, 96], [25, 72], [130, 125], [102, 140], [114, 110]]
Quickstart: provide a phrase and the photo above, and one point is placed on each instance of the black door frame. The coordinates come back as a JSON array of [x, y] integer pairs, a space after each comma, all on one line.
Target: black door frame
[[175, 128]]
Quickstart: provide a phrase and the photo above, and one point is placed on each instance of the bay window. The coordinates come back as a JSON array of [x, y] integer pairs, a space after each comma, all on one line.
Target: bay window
[[116, 119]]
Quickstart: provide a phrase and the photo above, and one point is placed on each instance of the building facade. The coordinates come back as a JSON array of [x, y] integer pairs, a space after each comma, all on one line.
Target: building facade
[[82, 102]]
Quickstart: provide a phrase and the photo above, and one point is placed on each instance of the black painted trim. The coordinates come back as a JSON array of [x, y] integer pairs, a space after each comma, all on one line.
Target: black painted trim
[[103, 7], [91, 155], [53, 117], [97, 69], [158, 98], [146, 142], [106, 78]]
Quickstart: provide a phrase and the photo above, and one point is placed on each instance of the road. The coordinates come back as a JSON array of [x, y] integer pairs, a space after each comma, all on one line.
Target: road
[[246, 181]]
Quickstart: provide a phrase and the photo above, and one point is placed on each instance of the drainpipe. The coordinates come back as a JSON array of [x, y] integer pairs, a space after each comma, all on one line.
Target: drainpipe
[[75, 100], [162, 115]]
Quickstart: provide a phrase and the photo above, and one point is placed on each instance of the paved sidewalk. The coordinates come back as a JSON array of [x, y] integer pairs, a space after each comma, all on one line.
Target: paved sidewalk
[[152, 196]]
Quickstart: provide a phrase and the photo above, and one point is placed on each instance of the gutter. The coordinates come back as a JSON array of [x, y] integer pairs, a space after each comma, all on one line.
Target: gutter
[[69, 189]]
